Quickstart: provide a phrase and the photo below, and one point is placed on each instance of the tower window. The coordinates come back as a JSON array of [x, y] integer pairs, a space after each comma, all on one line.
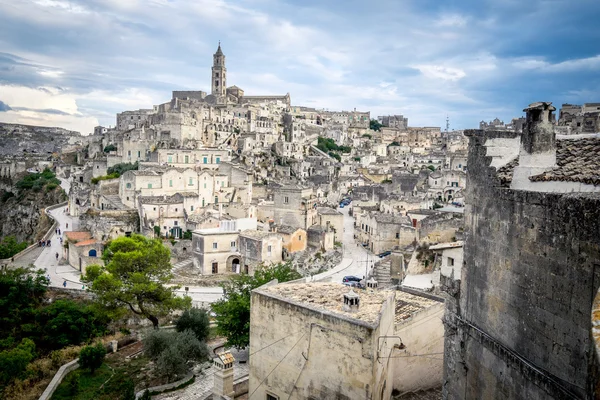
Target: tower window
[[216, 74], [216, 83]]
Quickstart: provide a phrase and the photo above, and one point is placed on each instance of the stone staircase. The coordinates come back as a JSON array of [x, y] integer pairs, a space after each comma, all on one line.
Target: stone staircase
[[381, 273], [188, 262], [115, 201]]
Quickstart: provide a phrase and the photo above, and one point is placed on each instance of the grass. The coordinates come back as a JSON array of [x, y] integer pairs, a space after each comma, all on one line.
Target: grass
[[82, 385]]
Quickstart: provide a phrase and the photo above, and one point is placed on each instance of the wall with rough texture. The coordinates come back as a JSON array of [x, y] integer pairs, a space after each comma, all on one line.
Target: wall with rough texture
[[521, 325]]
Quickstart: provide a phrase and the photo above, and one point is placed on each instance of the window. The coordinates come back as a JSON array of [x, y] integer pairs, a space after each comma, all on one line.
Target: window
[[222, 183], [269, 250], [191, 208], [397, 235], [174, 223], [191, 182], [175, 210], [128, 186], [272, 397], [233, 245], [204, 185], [203, 201], [216, 74], [149, 186], [170, 182], [217, 160], [154, 209], [450, 261], [205, 160], [215, 268], [139, 154], [170, 159], [286, 200], [216, 199], [187, 159], [215, 245], [300, 238]]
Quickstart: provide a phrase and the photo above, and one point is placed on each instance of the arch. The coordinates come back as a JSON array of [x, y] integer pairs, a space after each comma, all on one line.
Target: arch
[[234, 264], [92, 253]]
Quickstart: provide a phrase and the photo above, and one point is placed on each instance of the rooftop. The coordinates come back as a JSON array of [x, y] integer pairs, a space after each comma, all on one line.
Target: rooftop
[[409, 304], [330, 297], [253, 234], [449, 245], [86, 242], [77, 236], [328, 211]]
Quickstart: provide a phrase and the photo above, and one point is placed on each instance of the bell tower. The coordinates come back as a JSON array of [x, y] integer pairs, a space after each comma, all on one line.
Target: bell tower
[[219, 78]]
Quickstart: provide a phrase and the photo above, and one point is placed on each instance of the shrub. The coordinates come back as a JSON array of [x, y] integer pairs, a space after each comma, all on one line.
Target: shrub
[[156, 341], [92, 357], [196, 320], [171, 363], [14, 362], [109, 148], [122, 168], [9, 247]]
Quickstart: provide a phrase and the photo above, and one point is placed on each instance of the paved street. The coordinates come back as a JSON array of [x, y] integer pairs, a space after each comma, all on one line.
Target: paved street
[[361, 259]]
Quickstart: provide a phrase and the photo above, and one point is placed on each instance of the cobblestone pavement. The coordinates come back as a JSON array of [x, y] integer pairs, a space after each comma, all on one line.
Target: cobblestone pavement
[[203, 385]]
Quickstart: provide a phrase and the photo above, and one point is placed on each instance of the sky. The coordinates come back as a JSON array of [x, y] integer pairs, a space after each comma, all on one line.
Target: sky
[[75, 64]]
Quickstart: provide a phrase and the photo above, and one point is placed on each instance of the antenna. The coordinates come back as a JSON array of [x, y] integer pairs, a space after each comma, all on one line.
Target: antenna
[[447, 124]]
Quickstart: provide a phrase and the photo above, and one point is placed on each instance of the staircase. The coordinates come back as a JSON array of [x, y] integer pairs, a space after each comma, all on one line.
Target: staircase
[[115, 202], [381, 273], [183, 264]]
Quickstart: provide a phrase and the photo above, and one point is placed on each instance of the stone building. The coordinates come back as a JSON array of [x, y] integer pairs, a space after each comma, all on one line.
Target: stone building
[[295, 205], [82, 250], [382, 232], [394, 121], [330, 218], [519, 325], [321, 342], [260, 248], [294, 239]]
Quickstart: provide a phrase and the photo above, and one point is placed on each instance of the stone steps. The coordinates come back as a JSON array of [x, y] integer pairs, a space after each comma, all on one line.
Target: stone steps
[[183, 264], [115, 201]]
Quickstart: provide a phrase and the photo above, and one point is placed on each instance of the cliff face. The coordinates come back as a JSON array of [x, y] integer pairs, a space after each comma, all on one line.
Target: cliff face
[[24, 139], [21, 212]]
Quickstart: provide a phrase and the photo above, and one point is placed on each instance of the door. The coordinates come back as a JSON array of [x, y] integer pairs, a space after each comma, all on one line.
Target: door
[[215, 268]]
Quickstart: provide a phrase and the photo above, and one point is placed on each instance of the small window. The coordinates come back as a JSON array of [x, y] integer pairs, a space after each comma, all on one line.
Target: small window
[[272, 397], [450, 261], [154, 209], [129, 152], [215, 245], [174, 223], [204, 185], [170, 159], [217, 160], [139, 153], [233, 244], [128, 186], [205, 160], [191, 208], [191, 182], [286, 200], [170, 182], [300, 237], [175, 210], [397, 235], [149, 186]]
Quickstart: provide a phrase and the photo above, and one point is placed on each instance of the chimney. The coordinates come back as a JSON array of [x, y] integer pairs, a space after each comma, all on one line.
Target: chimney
[[372, 284], [223, 377], [351, 301], [538, 144]]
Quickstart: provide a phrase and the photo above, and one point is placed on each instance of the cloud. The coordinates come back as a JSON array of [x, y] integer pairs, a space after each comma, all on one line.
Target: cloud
[[88, 60], [4, 107]]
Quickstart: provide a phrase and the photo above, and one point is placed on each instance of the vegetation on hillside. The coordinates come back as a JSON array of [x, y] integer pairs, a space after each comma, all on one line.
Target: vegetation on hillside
[[9, 247], [328, 146], [37, 181], [233, 310], [375, 125], [116, 171]]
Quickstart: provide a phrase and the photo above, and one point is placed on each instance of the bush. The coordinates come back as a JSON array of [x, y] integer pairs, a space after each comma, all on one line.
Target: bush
[[14, 362], [156, 341], [37, 181], [9, 247], [114, 175], [196, 320], [171, 363], [109, 148], [122, 168], [187, 235], [6, 196], [92, 357]]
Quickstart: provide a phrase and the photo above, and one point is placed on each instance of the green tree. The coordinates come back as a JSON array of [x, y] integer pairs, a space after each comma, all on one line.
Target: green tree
[[375, 125], [196, 320], [121, 168], [13, 362], [233, 310], [431, 167], [9, 247], [22, 291], [66, 322], [92, 357], [109, 148], [135, 275]]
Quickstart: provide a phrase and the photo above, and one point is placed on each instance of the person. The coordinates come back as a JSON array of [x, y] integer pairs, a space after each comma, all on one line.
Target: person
[[65, 283], [67, 225], [60, 240], [57, 256], [43, 243], [48, 243], [59, 231]]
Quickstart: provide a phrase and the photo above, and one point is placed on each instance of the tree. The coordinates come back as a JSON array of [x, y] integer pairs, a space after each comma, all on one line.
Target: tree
[[92, 357], [13, 362], [66, 322], [109, 148], [135, 275], [196, 320], [22, 291], [375, 125], [9, 247], [431, 167], [233, 310]]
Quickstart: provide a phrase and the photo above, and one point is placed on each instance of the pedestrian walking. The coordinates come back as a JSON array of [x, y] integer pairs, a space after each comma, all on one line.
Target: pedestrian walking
[[43, 243], [65, 283], [39, 243], [60, 240], [48, 243], [59, 231], [56, 256], [67, 225]]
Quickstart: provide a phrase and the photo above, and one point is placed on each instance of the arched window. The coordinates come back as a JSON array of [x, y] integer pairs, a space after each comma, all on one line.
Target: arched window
[[92, 253], [128, 185]]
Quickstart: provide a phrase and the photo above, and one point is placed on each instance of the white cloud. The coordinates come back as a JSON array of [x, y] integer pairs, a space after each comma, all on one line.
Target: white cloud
[[441, 72]]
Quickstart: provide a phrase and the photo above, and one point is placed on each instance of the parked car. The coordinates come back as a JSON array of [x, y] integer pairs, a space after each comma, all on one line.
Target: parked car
[[354, 284], [351, 278], [384, 254], [341, 205]]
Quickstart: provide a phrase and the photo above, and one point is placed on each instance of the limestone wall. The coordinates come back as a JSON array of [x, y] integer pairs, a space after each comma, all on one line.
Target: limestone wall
[[521, 328]]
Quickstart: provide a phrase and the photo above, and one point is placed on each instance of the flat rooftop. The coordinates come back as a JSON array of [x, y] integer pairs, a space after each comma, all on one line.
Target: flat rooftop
[[330, 297]]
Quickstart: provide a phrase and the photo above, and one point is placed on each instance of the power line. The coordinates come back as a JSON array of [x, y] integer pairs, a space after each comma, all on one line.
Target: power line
[[277, 341], [280, 361]]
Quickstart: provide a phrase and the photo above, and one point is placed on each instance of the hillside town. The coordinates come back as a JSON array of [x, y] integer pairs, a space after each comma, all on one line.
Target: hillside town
[[427, 262]]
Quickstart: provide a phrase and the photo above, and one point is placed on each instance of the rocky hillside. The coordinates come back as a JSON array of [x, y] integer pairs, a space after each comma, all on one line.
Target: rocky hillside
[[20, 139], [22, 209]]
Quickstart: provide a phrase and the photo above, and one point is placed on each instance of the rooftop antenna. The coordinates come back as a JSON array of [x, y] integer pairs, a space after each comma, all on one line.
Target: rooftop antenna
[[447, 124]]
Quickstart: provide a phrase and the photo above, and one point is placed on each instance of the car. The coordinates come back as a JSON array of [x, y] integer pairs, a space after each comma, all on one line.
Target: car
[[351, 278], [384, 254], [353, 284], [341, 205]]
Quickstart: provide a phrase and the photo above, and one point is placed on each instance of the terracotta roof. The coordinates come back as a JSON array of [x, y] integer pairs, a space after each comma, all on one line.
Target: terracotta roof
[[86, 242], [226, 357], [505, 173], [578, 160], [408, 304], [76, 236]]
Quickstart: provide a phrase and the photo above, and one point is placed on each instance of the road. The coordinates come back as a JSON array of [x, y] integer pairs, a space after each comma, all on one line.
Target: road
[[361, 259]]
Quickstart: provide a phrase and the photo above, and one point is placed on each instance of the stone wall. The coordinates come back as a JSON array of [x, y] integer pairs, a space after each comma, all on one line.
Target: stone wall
[[440, 227], [521, 327]]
